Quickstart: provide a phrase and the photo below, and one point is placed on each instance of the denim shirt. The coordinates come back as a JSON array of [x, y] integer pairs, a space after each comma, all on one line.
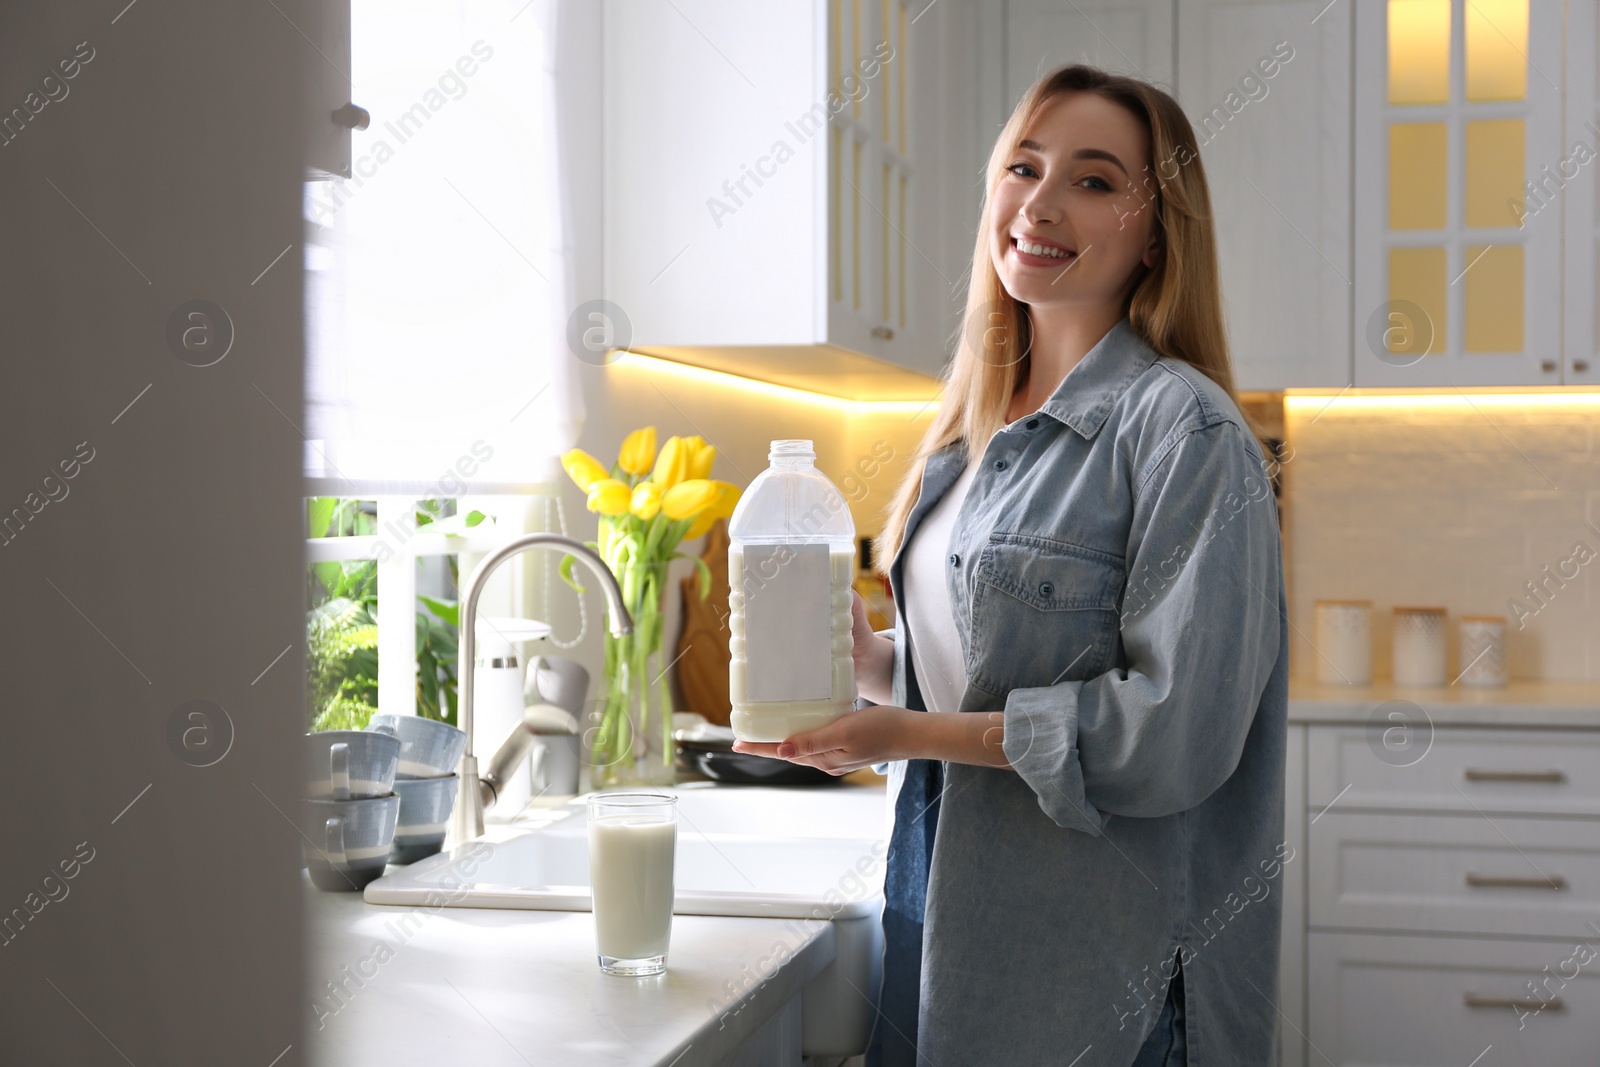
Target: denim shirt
[[1117, 582]]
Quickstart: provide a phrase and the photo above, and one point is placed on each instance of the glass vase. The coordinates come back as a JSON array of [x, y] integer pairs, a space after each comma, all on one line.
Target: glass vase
[[632, 740]]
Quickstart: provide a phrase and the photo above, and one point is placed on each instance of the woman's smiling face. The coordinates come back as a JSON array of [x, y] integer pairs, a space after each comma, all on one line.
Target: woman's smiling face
[[1077, 184]]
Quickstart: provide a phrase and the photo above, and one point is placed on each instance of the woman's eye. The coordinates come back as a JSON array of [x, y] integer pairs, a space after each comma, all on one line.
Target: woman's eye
[[1104, 185], [1025, 166]]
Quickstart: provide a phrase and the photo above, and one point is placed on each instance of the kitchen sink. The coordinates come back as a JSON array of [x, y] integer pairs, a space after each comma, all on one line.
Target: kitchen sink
[[802, 853], [763, 851]]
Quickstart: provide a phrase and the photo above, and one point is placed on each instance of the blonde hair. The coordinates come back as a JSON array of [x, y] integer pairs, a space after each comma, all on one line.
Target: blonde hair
[[1175, 306]]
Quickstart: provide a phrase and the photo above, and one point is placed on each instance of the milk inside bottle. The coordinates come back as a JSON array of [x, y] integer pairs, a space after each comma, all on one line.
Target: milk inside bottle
[[791, 558]]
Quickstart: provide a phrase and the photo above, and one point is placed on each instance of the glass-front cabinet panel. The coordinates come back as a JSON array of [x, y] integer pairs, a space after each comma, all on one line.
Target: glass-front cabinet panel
[[1457, 222]]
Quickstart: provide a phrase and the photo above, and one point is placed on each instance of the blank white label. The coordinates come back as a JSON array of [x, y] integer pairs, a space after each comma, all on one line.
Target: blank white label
[[788, 627]]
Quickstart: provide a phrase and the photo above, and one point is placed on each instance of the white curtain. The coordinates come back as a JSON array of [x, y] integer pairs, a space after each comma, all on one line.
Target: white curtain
[[438, 274]]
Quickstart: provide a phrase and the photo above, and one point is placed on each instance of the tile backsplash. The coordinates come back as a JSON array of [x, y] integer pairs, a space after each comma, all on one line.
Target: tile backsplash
[[1481, 504]]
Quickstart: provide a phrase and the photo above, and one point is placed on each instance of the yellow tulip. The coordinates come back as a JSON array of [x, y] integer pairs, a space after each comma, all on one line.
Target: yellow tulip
[[608, 496], [638, 451], [722, 508], [582, 468], [646, 500], [672, 464], [687, 499], [702, 456]]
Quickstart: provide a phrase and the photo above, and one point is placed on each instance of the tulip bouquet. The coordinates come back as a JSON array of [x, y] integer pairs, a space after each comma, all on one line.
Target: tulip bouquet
[[648, 504]]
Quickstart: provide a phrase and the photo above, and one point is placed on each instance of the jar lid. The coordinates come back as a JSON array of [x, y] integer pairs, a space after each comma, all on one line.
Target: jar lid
[[1420, 611], [1483, 618]]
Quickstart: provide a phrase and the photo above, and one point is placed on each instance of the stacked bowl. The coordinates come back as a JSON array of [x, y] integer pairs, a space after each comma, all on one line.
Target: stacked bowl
[[376, 796], [425, 781], [349, 814]]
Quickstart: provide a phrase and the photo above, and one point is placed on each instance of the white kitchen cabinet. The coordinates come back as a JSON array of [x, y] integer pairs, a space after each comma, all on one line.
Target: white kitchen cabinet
[[1266, 85], [1449, 884], [1460, 771], [1437, 1002], [330, 115], [1131, 37], [1449, 874], [1278, 164], [1581, 289], [1457, 106], [791, 188], [1292, 941]]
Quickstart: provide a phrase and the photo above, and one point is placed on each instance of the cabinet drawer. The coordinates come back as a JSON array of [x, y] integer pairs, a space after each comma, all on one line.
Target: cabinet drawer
[[1427, 1002], [1519, 877], [1537, 772]]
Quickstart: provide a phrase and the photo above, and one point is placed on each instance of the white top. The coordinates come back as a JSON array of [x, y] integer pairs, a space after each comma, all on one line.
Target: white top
[[936, 654]]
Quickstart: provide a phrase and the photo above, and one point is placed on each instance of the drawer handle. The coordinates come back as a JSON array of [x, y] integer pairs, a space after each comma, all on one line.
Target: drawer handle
[[1555, 881], [1472, 1000], [1540, 777]]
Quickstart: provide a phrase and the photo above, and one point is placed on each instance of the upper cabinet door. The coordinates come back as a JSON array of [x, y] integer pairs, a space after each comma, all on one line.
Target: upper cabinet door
[[1131, 37], [1575, 170], [715, 142], [1458, 251], [330, 114], [899, 155], [1266, 85], [787, 184]]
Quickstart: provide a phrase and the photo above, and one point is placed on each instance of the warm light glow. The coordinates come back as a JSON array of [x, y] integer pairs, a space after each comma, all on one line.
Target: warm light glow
[[1308, 402], [1419, 51], [1418, 176], [1497, 46], [789, 394], [1496, 149], [1494, 299]]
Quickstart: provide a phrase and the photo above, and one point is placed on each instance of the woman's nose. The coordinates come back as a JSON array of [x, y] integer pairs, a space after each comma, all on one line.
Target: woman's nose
[[1041, 207]]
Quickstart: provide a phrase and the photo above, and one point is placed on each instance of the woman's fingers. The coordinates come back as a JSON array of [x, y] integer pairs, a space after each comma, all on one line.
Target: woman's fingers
[[834, 761], [861, 628], [758, 748]]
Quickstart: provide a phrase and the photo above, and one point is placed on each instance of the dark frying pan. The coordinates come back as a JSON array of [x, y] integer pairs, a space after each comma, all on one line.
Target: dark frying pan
[[718, 761]]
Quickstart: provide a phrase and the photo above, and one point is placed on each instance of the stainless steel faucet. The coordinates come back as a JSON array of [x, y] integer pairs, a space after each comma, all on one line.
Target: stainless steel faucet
[[477, 793]]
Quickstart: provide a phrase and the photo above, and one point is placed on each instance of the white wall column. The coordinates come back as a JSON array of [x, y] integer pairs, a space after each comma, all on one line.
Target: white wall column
[[397, 610]]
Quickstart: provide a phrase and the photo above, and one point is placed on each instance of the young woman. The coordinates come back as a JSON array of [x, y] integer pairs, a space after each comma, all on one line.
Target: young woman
[[1082, 704]]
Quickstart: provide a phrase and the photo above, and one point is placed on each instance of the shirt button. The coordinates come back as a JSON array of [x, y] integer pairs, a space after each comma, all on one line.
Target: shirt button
[[955, 559], [999, 464], [1046, 590], [1033, 424]]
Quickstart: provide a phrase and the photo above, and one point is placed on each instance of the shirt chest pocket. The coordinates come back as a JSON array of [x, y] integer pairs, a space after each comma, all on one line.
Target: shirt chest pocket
[[1043, 611]]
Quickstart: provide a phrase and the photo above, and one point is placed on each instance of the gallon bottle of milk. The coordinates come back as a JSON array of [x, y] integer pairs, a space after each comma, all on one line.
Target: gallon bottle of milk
[[791, 556]]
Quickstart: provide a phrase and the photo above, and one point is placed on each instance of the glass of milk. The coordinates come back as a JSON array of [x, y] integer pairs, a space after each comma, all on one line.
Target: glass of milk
[[633, 837], [791, 562]]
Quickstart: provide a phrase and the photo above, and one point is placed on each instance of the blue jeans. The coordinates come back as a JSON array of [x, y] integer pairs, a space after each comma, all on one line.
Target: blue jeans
[[1165, 1047]]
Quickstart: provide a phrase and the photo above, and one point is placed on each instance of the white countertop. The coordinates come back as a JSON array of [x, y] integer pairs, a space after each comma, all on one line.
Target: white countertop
[[1518, 705], [490, 987]]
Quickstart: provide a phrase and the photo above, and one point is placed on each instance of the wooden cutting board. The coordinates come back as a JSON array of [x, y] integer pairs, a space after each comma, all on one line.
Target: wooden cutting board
[[702, 650]]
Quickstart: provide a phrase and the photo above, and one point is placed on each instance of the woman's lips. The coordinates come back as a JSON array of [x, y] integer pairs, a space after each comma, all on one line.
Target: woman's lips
[[1028, 259]]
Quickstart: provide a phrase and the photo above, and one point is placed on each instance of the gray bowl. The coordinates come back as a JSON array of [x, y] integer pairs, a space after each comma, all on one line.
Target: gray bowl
[[346, 843], [425, 806], [428, 748], [350, 764]]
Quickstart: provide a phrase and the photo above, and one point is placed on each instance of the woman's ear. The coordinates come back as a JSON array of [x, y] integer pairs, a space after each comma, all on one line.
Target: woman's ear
[[1152, 252]]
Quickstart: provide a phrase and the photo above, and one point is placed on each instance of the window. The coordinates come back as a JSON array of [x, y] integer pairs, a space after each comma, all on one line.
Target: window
[[436, 272], [437, 290]]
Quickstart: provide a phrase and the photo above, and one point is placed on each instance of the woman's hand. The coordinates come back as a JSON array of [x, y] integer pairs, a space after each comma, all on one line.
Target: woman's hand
[[873, 655], [875, 734]]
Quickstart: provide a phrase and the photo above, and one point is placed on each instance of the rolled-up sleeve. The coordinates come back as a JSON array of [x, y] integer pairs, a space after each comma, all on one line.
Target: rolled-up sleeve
[[1200, 632]]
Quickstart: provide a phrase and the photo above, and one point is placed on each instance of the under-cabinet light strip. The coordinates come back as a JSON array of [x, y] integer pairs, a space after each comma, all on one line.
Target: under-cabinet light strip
[[656, 365], [1302, 402]]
